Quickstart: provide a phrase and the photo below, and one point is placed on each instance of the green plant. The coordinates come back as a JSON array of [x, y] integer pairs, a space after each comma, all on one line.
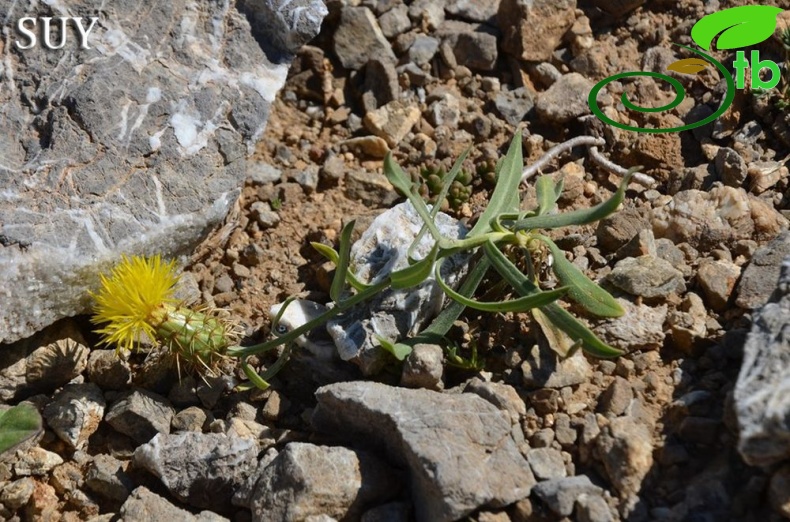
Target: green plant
[[502, 234], [431, 180], [17, 425]]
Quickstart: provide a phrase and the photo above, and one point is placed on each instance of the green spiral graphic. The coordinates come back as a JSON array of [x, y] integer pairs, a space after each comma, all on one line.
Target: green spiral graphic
[[680, 93]]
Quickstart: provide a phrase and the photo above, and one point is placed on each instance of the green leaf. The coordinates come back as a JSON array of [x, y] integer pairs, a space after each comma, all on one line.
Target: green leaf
[[444, 321], [553, 312], [548, 194], [576, 217], [521, 304], [344, 256], [739, 26], [446, 183], [416, 273], [332, 255], [253, 376], [578, 332], [505, 197], [558, 340], [587, 293], [398, 350], [17, 425], [401, 181]]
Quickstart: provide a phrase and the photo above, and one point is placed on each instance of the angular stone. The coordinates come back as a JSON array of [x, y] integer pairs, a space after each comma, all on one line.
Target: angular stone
[[640, 328], [762, 273], [120, 152], [626, 448], [358, 38], [474, 10], [731, 167], [288, 23], [762, 403], [107, 476], [423, 368], [473, 46], [501, 395], [721, 216], [75, 413], [145, 506], [544, 368], [533, 29], [560, 494], [717, 279], [565, 100], [140, 414], [546, 463], [392, 121], [395, 21], [43, 362], [458, 448], [306, 481], [647, 276], [201, 469], [514, 105]]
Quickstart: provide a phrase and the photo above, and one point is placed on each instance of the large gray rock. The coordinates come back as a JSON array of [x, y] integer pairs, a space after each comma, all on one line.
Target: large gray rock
[[762, 401], [137, 144], [459, 449], [305, 480], [201, 469]]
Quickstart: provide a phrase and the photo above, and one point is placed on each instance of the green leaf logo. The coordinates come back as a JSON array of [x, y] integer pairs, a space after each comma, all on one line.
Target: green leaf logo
[[739, 26]]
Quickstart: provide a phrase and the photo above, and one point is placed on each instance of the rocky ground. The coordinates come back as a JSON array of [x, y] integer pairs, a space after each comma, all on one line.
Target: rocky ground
[[651, 435]]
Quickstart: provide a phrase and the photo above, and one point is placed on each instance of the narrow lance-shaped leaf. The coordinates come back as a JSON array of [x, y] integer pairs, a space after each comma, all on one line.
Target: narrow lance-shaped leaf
[[558, 340], [401, 181], [416, 273], [17, 425], [439, 327], [398, 350], [554, 312], [446, 183], [576, 217], [344, 256], [505, 197], [521, 304], [592, 297], [548, 193], [332, 255]]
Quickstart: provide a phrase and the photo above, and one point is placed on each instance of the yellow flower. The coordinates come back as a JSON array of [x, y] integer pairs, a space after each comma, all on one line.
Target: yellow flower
[[137, 298], [134, 300]]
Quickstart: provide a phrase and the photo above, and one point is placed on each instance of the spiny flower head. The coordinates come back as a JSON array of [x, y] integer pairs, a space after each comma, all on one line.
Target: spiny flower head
[[133, 299]]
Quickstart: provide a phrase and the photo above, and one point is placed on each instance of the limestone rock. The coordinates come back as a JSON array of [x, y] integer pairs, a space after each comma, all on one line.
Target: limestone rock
[[358, 38], [145, 506], [392, 314], [761, 274], [118, 148], [201, 469], [458, 448], [762, 402], [565, 100], [640, 328], [723, 215], [305, 481], [533, 29]]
